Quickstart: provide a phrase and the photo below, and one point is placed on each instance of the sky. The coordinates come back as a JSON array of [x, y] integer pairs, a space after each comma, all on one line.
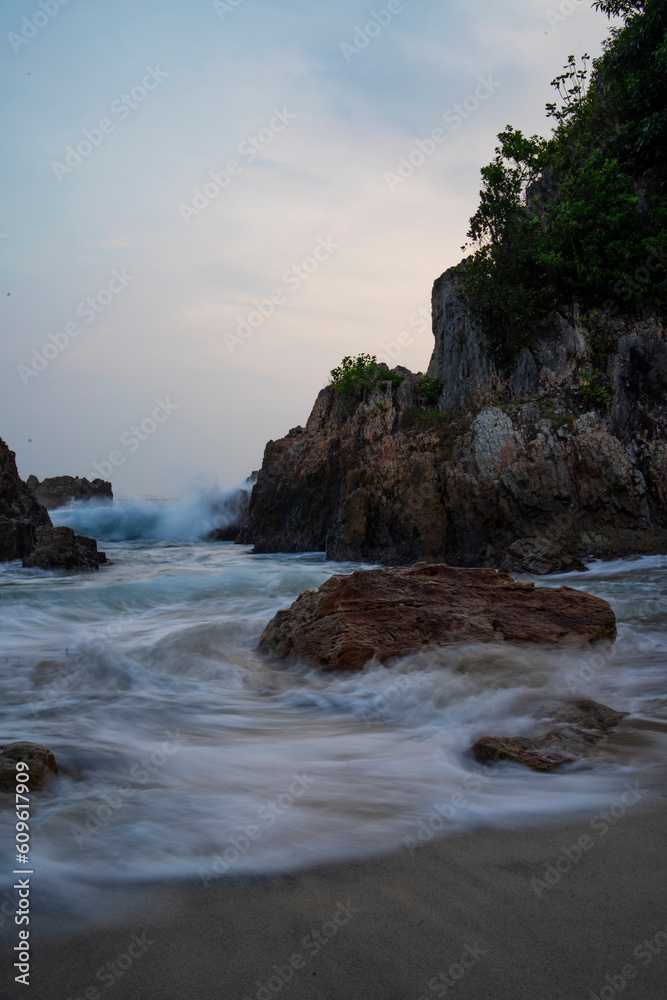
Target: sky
[[206, 205]]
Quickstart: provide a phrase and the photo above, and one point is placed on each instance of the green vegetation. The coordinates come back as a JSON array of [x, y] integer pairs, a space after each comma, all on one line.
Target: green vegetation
[[592, 385], [428, 390], [580, 216], [354, 375]]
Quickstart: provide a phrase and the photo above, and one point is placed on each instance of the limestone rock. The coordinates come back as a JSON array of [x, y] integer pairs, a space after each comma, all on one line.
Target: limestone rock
[[60, 548], [380, 614]]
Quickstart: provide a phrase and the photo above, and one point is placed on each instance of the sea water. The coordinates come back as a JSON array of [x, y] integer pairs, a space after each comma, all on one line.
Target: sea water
[[185, 754]]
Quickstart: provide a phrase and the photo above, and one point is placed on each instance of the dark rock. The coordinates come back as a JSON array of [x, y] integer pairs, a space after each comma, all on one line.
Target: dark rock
[[20, 513], [539, 754], [540, 556], [588, 714], [581, 725], [380, 614], [60, 548], [61, 490], [41, 764]]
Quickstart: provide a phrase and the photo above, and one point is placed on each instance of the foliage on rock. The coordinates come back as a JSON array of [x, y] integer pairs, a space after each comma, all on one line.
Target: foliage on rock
[[355, 375], [580, 216]]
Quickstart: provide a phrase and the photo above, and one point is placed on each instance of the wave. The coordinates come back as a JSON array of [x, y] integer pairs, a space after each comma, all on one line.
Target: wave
[[190, 519]]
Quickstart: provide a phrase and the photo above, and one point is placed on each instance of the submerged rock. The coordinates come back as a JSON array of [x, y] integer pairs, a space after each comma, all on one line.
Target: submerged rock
[[41, 763], [380, 614], [538, 753], [581, 725], [60, 490], [60, 548]]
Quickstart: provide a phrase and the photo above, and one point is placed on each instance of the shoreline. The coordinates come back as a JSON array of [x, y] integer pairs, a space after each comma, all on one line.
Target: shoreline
[[474, 915]]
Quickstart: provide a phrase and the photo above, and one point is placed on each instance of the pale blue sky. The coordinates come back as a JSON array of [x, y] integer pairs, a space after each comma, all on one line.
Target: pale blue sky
[[319, 180]]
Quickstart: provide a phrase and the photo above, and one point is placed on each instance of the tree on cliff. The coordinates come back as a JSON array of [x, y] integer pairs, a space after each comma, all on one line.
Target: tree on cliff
[[580, 216]]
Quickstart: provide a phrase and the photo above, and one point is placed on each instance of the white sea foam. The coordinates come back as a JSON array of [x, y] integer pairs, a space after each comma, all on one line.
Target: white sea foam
[[174, 736]]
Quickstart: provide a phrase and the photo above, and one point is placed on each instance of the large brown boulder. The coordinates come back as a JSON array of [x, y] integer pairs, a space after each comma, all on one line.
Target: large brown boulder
[[20, 513], [60, 490], [60, 548], [389, 612]]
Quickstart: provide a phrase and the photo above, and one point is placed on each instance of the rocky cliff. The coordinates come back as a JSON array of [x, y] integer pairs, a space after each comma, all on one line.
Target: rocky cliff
[[26, 531], [533, 468], [20, 512]]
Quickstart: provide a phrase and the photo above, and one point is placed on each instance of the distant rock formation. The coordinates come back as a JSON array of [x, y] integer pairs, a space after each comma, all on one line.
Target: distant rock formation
[[26, 531], [60, 548], [20, 512], [383, 613], [60, 490], [530, 470]]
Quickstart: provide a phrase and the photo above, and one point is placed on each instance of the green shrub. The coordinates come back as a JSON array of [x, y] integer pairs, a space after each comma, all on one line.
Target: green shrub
[[354, 375], [592, 386], [428, 390]]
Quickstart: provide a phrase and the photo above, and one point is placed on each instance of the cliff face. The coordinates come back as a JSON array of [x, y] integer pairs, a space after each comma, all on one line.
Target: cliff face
[[562, 457], [20, 513]]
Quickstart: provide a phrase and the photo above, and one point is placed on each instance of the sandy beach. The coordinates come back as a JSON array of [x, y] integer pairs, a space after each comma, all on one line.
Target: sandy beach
[[549, 913]]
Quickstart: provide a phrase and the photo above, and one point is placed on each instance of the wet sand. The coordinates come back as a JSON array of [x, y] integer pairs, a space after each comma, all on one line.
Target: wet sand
[[459, 917]]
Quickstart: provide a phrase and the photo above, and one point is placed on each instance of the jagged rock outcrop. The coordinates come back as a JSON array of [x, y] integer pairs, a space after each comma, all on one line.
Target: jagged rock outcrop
[[530, 470], [20, 512], [60, 548], [61, 490], [383, 613]]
